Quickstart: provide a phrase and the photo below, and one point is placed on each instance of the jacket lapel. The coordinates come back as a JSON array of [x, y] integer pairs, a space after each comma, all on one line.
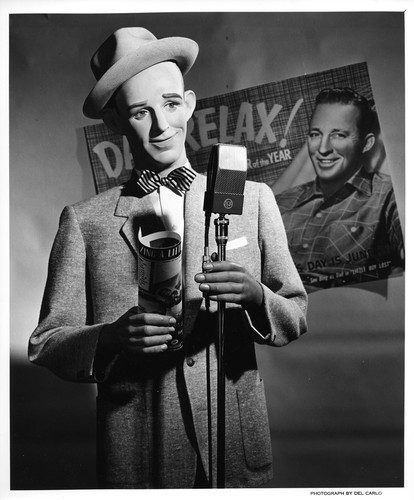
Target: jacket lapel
[[139, 213]]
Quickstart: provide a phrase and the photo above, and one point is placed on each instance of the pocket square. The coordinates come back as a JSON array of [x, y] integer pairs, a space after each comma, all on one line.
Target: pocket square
[[237, 243]]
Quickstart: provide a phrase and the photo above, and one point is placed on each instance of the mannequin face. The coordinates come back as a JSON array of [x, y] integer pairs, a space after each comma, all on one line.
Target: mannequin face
[[153, 110]]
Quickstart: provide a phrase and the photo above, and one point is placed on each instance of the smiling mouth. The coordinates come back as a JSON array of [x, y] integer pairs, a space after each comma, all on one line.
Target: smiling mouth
[[162, 142], [326, 163]]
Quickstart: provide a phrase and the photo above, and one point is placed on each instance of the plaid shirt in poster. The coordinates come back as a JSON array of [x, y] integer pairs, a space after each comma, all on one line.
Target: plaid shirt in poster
[[353, 236]]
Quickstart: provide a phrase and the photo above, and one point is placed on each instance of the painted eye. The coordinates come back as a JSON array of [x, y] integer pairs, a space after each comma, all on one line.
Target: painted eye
[[172, 105], [139, 115]]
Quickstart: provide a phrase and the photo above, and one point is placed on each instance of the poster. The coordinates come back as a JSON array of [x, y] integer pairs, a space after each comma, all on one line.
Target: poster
[[272, 122]]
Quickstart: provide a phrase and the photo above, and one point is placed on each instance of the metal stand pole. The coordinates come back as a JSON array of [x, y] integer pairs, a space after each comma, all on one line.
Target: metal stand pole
[[221, 224], [206, 259]]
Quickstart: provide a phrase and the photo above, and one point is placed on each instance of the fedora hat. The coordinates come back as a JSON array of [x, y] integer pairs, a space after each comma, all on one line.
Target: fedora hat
[[127, 52]]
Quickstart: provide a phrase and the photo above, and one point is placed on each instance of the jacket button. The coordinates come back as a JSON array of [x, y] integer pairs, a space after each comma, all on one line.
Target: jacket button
[[190, 362]]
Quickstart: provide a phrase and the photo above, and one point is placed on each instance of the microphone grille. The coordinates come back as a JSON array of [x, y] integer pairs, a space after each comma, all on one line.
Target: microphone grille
[[230, 181], [232, 168]]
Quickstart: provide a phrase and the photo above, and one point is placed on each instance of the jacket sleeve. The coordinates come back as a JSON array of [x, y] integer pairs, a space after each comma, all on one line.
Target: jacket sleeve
[[285, 299], [64, 341]]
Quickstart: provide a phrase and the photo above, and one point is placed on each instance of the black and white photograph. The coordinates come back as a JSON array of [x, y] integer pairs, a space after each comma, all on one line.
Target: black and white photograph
[[208, 251]]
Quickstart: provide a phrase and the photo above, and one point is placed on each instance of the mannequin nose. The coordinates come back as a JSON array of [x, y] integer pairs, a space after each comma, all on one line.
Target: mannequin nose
[[159, 122]]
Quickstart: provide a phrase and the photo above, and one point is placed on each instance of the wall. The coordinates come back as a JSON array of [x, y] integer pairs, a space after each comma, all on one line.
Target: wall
[[336, 395]]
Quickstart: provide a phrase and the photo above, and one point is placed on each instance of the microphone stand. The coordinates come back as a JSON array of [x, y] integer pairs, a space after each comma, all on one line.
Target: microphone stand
[[206, 258], [221, 224], [223, 192]]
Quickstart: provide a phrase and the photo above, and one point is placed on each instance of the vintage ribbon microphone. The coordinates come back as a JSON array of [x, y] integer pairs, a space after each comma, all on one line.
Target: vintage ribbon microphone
[[226, 178]]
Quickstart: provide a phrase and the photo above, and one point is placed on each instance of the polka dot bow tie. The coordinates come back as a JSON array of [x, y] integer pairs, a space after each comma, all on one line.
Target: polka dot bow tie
[[179, 180]]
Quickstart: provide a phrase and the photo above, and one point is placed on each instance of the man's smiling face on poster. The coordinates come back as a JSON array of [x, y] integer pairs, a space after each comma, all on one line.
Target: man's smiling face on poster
[[334, 142]]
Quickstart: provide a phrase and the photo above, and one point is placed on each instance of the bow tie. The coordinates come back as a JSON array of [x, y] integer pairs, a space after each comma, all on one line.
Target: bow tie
[[179, 180]]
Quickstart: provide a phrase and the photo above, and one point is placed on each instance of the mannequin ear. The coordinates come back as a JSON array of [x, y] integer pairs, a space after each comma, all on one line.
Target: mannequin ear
[[111, 119], [369, 142], [190, 102]]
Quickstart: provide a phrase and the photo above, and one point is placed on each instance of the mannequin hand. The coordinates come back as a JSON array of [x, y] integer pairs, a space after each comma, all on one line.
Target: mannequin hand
[[230, 282], [145, 333]]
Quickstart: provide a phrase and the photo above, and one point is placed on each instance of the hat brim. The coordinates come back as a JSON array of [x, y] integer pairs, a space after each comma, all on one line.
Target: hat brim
[[181, 50]]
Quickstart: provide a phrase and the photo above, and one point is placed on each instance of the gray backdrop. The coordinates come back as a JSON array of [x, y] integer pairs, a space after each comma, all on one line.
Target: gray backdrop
[[335, 396]]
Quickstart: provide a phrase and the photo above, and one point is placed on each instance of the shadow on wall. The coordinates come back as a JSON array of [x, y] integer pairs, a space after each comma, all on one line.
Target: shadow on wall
[[52, 430], [336, 407], [336, 415]]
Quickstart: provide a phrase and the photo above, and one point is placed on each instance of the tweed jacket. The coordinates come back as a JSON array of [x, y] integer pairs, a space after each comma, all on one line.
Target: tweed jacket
[[152, 410]]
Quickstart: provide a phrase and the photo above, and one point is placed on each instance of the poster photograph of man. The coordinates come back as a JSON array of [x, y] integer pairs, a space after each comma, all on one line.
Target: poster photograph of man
[[207, 236], [340, 234]]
